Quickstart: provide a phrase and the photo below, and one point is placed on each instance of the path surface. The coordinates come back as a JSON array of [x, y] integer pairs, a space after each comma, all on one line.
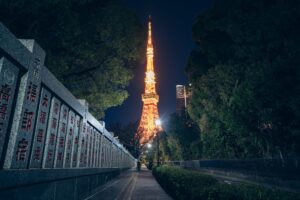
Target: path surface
[[132, 185]]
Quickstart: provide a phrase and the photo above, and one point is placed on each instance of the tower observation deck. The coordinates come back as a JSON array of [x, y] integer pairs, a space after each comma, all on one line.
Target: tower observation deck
[[147, 128]]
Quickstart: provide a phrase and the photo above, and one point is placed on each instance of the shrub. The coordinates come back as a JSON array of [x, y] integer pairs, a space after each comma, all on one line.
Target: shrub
[[184, 184]]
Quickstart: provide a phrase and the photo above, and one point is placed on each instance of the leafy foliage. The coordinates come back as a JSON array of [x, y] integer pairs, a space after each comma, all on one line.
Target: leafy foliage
[[91, 45], [184, 184], [125, 134], [181, 140], [246, 79]]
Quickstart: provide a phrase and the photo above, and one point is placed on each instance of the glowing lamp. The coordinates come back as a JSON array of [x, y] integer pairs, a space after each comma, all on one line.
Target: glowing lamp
[[158, 122]]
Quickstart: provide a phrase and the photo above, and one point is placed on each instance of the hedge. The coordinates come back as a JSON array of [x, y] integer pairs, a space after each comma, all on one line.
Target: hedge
[[183, 184]]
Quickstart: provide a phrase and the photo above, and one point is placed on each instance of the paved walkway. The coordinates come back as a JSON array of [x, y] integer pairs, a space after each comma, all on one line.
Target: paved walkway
[[132, 185]]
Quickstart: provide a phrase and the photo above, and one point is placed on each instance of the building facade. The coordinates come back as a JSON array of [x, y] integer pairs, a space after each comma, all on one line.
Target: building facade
[[183, 96]]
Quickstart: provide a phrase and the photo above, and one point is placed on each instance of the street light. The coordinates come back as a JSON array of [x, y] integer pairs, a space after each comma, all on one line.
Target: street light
[[158, 128], [149, 145], [158, 122]]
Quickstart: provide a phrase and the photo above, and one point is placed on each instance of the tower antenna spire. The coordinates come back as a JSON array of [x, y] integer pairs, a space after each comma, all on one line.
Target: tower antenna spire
[[149, 33], [147, 128]]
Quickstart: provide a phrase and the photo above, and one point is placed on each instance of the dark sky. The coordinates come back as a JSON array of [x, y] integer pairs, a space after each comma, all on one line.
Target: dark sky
[[172, 23]]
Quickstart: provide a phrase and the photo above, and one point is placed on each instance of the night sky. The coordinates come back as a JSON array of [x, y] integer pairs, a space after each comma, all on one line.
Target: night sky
[[172, 23]]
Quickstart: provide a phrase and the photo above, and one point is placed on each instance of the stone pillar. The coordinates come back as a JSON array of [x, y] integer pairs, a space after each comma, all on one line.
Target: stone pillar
[[93, 149], [69, 140], [61, 137], [82, 146], [101, 150], [76, 150], [97, 149], [36, 156], [8, 81], [104, 152], [89, 145], [19, 144], [50, 144]]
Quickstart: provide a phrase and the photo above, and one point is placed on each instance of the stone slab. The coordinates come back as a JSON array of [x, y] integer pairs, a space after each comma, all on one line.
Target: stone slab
[[76, 151], [8, 80], [69, 140], [18, 150], [83, 145], [61, 136], [50, 144], [36, 157]]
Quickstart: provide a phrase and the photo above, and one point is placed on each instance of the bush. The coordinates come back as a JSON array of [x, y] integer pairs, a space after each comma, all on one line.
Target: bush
[[184, 184]]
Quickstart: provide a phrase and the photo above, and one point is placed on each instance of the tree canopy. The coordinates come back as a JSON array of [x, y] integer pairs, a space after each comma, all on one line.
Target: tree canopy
[[126, 135], [183, 138], [92, 46], [245, 74], [180, 140]]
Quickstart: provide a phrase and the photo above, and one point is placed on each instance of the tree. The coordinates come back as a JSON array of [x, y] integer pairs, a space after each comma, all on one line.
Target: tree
[[92, 46], [181, 140], [126, 135], [246, 79]]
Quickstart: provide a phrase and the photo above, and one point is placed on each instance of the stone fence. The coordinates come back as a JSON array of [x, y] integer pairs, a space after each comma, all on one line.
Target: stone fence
[[43, 126]]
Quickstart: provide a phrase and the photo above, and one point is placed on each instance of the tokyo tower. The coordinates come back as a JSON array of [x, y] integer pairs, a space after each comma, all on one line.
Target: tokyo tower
[[147, 127]]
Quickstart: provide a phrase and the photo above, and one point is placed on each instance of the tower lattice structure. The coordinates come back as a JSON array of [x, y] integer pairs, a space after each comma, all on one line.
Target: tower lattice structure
[[147, 127]]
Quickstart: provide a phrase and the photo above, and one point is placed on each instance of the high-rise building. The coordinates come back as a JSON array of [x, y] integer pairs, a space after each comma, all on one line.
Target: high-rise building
[[183, 95], [147, 127]]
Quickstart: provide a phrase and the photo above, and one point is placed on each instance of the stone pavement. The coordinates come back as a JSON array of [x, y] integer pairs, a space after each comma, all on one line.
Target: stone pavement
[[132, 185]]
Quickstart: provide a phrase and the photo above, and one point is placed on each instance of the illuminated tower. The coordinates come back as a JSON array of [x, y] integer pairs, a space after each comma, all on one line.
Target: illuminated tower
[[147, 128]]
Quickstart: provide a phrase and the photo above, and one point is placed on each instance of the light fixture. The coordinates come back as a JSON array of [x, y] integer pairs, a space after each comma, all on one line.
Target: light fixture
[[157, 122]]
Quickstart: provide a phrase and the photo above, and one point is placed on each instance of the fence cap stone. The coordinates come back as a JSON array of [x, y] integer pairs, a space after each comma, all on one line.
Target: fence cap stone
[[84, 103]]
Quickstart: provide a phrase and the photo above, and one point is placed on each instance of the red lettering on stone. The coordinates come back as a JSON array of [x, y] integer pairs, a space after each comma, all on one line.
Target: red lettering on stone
[[84, 127], [74, 157], [21, 149], [59, 156], [76, 140], [54, 123], [3, 111], [42, 117], [49, 155], [40, 135], [45, 101], [27, 120], [63, 127], [5, 92], [65, 114], [55, 108], [61, 141], [52, 139], [37, 153], [70, 131], [32, 92], [72, 120]]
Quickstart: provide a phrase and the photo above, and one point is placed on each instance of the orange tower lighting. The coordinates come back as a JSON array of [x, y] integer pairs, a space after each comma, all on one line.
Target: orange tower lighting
[[148, 128]]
